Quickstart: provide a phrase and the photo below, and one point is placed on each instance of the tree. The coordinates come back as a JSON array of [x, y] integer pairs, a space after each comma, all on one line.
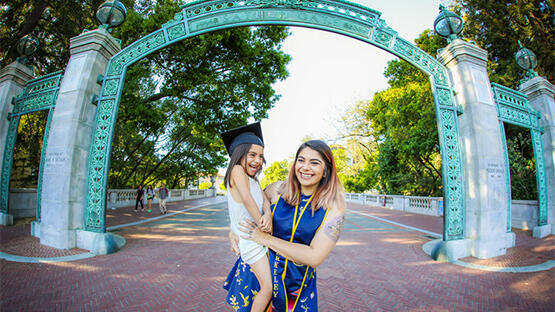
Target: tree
[[168, 126], [278, 171], [176, 100], [399, 130], [27, 149], [521, 163], [497, 26], [205, 185], [53, 22]]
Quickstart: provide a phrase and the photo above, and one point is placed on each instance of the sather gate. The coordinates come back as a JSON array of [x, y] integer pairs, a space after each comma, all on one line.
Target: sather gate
[[79, 146], [335, 16]]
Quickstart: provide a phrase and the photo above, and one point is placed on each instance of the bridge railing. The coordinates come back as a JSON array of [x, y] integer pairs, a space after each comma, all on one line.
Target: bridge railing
[[416, 204], [118, 198]]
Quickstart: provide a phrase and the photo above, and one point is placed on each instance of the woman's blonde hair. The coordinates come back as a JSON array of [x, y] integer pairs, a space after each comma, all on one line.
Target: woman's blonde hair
[[329, 190]]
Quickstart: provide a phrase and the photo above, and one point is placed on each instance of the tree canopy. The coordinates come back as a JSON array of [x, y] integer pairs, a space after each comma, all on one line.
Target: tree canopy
[[397, 129], [497, 26], [277, 171], [397, 126], [175, 101]]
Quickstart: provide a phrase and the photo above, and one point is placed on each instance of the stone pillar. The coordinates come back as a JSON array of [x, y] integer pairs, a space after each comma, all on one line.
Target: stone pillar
[[541, 94], [12, 80], [65, 168], [483, 158]]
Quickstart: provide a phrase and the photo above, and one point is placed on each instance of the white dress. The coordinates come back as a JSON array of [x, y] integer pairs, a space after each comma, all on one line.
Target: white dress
[[250, 251]]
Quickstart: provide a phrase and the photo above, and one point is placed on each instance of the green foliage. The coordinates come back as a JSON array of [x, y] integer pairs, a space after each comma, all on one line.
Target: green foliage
[[222, 186], [497, 26], [27, 149], [205, 185], [521, 163], [278, 171], [53, 22], [400, 121], [175, 101]]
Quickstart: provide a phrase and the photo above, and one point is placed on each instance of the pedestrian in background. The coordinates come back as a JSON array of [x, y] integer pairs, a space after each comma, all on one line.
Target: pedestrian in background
[[149, 196], [163, 193], [139, 199]]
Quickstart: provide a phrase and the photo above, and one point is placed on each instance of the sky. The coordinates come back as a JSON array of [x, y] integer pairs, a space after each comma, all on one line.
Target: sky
[[330, 72]]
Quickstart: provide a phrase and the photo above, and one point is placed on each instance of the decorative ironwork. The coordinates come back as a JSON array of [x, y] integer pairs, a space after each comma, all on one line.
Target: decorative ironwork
[[513, 108], [338, 16], [38, 94], [7, 163], [541, 179], [507, 176]]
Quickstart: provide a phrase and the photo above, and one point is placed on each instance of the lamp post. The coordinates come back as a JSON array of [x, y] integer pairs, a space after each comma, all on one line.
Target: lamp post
[[448, 24], [26, 46], [111, 14], [526, 60]]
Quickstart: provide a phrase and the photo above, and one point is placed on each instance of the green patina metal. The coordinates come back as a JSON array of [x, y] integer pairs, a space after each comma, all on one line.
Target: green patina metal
[[340, 17], [38, 94], [513, 108]]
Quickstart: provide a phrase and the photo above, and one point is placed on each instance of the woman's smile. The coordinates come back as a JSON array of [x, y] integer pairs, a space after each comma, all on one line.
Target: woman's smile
[[309, 169]]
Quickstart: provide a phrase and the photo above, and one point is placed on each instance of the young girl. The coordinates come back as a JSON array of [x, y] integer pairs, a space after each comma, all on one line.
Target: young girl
[[246, 201]]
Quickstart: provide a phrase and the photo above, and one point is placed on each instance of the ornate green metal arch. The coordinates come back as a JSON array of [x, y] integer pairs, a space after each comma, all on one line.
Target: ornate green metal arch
[[38, 94], [337, 16], [513, 107]]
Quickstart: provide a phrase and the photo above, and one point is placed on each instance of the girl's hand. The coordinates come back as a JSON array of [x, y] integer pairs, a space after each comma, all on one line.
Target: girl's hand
[[265, 223], [252, 231]]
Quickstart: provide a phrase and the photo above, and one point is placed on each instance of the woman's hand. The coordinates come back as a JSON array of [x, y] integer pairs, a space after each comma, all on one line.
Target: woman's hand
[[265, 223], [253, 232], [234, 243]]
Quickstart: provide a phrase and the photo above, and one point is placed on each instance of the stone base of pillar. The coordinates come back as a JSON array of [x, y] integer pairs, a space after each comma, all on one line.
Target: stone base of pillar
[[35, 229], [6, 219], [510, 240], [450, 251], [99, 243], [496, 246], [56, 237], [542, 231]]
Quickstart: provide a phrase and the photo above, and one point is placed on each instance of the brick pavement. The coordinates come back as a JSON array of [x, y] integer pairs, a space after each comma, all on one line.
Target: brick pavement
[[179, 263]]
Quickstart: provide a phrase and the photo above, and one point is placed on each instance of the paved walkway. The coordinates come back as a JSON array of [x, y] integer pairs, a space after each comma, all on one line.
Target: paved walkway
[[178, 263]]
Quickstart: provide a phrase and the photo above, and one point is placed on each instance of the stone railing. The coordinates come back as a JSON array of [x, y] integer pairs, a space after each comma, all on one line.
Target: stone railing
[[524, 214], [23, 201], [118, 198], [422, 205]]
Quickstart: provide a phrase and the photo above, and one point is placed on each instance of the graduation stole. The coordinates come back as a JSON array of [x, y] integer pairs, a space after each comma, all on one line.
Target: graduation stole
[[280, 298]]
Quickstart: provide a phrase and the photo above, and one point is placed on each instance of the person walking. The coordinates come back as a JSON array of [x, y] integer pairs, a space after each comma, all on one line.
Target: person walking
[[139, 198], [163, 193], [149, 196]]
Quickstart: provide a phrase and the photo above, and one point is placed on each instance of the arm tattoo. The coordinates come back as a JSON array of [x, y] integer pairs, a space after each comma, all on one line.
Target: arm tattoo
[[334, 228]]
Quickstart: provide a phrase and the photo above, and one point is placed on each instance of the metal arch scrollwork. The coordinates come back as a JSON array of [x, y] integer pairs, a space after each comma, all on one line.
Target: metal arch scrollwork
[[513, 107], [541, 179], [7, 163], [38, 94], [454, 218], [341, 17]]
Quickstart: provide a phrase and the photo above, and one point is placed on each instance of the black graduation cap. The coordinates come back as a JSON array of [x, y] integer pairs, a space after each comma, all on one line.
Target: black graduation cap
[[249, 134]]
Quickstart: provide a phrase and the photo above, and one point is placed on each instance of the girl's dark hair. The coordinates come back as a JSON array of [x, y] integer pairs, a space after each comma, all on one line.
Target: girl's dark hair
[[239, 155], [329, 188], [149, 187]]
